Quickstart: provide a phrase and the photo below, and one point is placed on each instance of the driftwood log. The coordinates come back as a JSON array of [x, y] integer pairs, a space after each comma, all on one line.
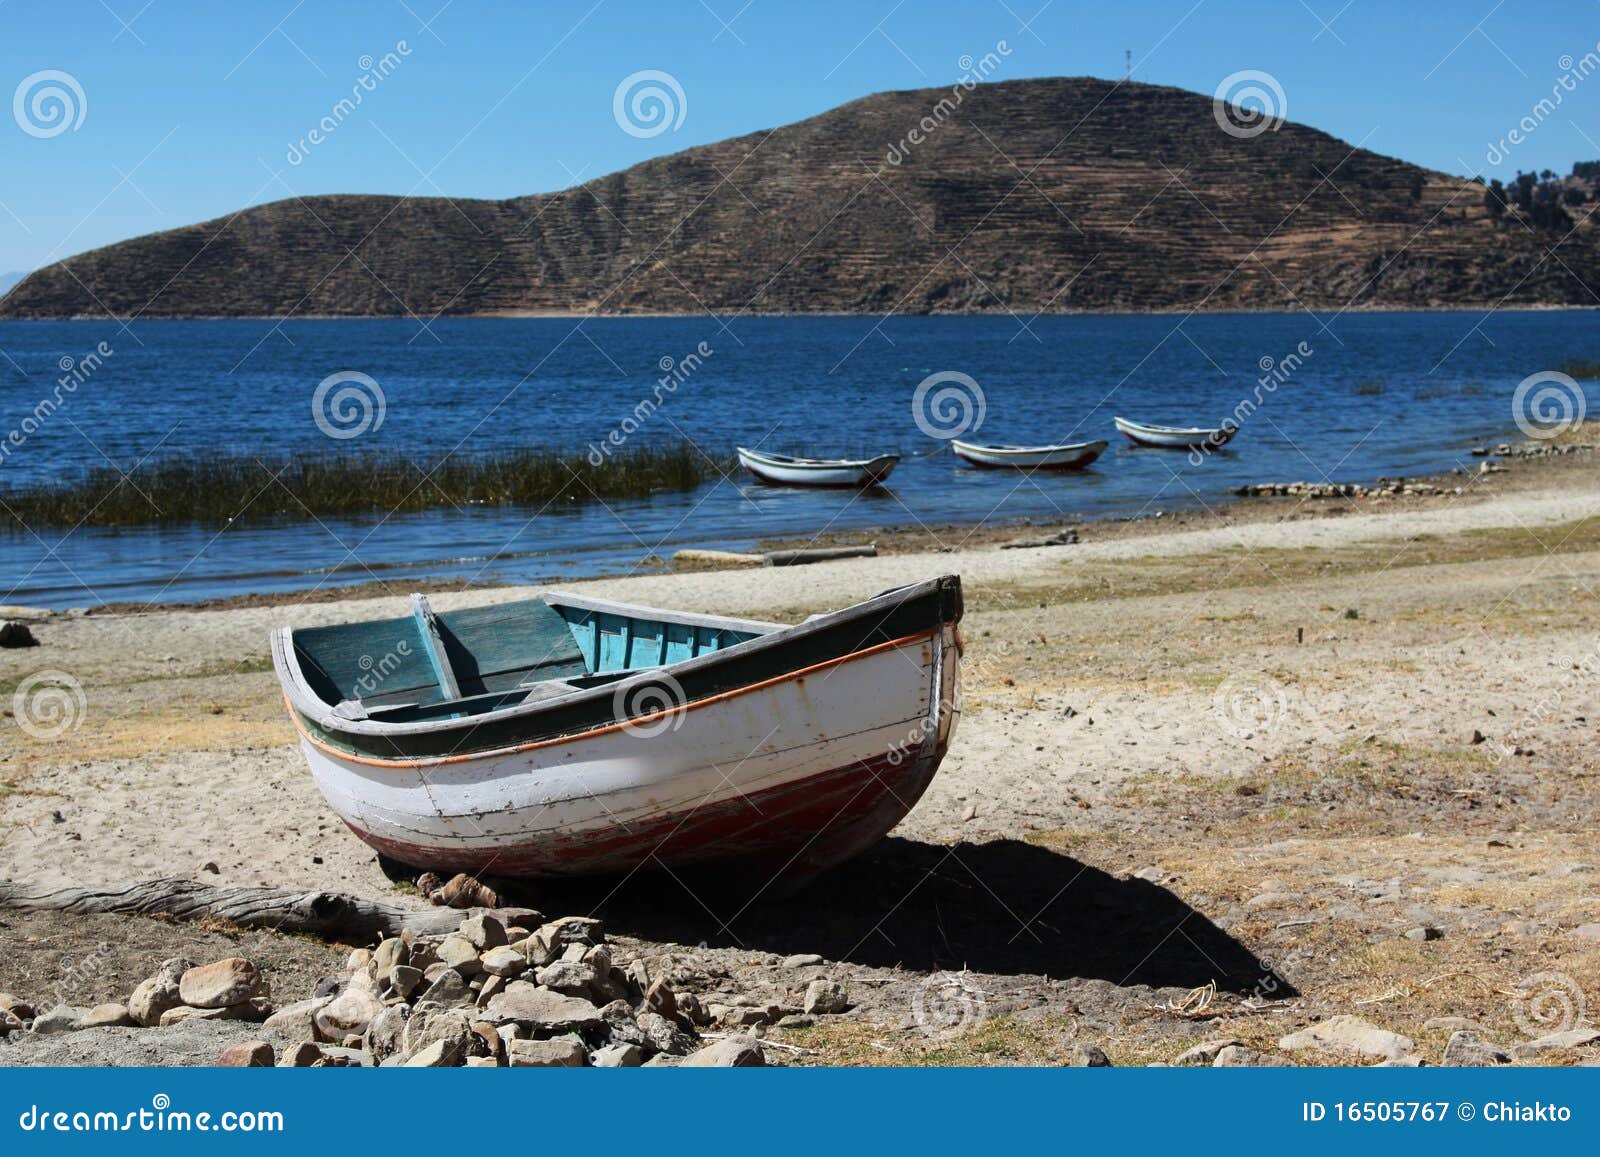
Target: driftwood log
[[329, 915]]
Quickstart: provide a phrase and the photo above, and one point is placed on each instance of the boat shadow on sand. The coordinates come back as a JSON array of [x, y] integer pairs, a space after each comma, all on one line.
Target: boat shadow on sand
[[1003, 907]]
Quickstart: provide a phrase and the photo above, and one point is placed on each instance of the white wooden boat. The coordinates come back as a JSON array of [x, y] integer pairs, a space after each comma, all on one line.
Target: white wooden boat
[[1071, 456], [784, 470], [571, 736], [1176, 437]]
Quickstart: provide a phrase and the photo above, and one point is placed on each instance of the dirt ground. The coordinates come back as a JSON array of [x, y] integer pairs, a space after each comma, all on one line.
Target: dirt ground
[[1221, 778]]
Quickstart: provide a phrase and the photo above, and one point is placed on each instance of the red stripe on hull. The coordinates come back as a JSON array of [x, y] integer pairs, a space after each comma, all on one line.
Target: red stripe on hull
[[798, 828]]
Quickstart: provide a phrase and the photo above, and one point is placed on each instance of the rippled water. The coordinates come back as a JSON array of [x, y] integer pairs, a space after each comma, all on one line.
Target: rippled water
[[1364, 395]]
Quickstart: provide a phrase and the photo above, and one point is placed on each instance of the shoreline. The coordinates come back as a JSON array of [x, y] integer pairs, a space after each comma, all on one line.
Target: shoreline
[[1513, 473], [1288, 309]]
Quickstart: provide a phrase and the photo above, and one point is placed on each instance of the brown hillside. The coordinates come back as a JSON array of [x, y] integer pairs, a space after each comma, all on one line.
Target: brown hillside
[[1036, 195]]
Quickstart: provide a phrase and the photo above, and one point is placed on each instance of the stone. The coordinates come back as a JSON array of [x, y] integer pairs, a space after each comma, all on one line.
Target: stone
[[449, 989], [547, 1054], [348, 1014], [1088, 1057], [389, 955], [156, 995], [663, 1035], [1239, 1057], [255, 1009], [738, 1016], [529, 1004], [9, 1023], [1586, 932], [303, 1055], [297, 1021], [61, 1018], [459, 953], [1349, 1034], [1410, 1061], [386, 1032], [1467, 1049], [825, 997], [568, 977], [483, 932], [107, 1016], [404, 980], [462, 891], [437, 1055], [328, 986], [800, 960], [504, 961], [734, 1052], [1423, 932], [482, 1063], [428, 1026], [221, 984], [490, 1042], [1205, 1053], [1450, 1023], [335, 1057], [250, 1054], [557, 935], [659, 997], [796, 1020], [16, 1006], [617, 1057], [1572, 1038], [16, 634]]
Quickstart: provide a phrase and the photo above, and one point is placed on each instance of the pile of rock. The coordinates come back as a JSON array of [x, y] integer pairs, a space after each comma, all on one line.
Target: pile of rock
[[231, 989], [504, 989], [1386, 487], [1533, 450]]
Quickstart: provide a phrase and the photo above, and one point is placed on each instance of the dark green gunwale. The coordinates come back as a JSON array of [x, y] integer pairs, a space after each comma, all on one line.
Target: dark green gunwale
[[925, 607]]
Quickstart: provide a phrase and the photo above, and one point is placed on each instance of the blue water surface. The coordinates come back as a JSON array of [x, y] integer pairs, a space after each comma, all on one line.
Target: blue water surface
[[1352, 397]]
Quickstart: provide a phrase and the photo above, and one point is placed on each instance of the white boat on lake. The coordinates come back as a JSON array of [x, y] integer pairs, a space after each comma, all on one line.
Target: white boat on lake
[[1176, 437], [787, 470], [1068, 456]]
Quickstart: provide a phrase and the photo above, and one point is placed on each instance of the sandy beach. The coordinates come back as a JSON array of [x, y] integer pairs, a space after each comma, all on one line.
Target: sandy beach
[[1329, 758]]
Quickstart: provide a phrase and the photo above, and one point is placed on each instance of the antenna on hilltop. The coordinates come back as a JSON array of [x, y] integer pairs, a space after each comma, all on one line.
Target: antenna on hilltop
[[1127, 64]]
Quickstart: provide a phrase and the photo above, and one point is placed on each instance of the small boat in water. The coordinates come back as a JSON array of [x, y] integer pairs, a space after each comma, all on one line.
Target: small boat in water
[[784, 470], [574, 736], [1176, 437], [1071, 456]]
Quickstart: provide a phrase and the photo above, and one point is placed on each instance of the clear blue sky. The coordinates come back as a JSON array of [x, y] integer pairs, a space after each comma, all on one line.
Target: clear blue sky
[[191, 108]]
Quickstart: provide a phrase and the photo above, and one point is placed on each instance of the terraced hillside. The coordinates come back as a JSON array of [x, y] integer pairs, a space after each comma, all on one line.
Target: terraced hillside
[[1033, 195]]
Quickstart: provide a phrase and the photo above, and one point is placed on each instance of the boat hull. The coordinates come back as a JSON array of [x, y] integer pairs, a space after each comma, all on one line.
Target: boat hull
[[1168, 438], [840, 475], [1074, 457], [798, 775]]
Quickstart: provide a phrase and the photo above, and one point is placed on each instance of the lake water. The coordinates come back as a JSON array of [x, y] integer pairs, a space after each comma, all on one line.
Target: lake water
[[1364, 395]]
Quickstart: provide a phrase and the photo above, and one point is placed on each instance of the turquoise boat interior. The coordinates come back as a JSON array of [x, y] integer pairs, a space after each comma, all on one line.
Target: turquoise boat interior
[[446, 664]]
